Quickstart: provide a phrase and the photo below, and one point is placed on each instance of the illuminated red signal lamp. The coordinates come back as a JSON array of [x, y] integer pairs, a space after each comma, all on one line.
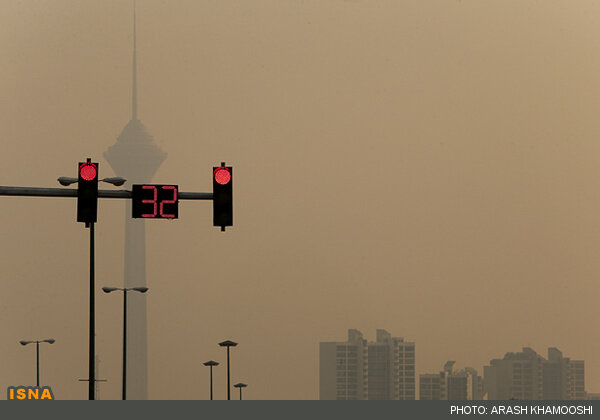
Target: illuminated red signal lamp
[[88, 171], [222, 175]]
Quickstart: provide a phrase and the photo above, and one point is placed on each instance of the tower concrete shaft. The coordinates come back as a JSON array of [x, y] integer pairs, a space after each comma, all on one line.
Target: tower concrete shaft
[[135, 157]]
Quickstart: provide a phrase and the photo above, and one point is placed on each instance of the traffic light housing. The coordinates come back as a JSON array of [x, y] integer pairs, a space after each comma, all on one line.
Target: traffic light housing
[[222, 196], [87, 192]]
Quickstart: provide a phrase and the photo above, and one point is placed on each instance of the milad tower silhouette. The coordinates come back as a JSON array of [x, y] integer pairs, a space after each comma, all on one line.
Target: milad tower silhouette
[[135, 157]]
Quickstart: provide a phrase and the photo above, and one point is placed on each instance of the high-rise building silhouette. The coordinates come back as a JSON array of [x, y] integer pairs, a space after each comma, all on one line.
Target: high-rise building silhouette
[[430, 387], [563, 378], [516, 376], [135, 157], [361, 370], [391, 368], [576, 388], [464, 384], [343, 368], [528, 376]]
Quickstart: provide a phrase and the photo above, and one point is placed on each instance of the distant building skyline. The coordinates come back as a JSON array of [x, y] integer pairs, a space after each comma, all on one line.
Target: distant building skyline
[[384, 369]]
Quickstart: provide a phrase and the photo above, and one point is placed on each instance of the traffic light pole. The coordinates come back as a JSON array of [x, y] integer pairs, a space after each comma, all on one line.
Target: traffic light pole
[[92, 378]]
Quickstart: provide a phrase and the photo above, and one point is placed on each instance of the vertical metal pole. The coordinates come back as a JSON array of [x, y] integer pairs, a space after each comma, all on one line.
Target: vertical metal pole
[[37, 362], [211, 390], [124, 342], [228, 376], [92, 379], [240, 393]]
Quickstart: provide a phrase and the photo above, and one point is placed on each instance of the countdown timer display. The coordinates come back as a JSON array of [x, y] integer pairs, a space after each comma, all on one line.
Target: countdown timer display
[[154, 201]]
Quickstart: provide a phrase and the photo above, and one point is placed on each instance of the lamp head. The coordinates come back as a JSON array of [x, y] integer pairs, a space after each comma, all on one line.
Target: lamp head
[[66, 180], [25, 342], [140, 289], [115, 180], [228, 343], [109, 289], [50, 340]]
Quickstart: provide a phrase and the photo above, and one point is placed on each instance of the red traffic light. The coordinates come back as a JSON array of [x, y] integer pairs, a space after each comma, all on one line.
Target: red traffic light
[[222, 175], [222, 196], [87, 192], [88, 171]]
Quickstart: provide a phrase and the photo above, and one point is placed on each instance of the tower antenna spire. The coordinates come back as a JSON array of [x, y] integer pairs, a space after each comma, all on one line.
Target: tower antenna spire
[[134, 88]]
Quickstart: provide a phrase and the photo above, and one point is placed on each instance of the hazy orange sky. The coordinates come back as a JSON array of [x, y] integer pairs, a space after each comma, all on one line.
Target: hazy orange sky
[[426, 167]]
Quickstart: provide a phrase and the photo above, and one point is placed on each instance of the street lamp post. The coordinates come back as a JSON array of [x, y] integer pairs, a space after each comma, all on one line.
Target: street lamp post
[[125, 289], [211, 363], [37, 354], [228, 343], [240, 386], [117, 181]]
